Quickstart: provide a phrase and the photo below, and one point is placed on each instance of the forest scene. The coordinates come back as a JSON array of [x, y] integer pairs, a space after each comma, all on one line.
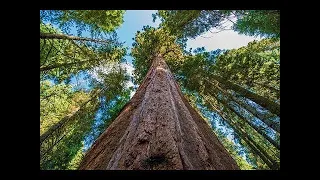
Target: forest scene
[[159, 89]]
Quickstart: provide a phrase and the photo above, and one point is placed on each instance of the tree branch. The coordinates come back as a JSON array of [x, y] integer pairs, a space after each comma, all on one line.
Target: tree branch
[[63, 36]]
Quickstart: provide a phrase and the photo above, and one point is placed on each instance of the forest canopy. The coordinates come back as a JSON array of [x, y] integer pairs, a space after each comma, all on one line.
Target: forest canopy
[[90, 77]]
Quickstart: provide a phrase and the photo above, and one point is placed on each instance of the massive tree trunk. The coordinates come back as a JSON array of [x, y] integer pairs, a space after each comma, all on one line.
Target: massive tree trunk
[[158, 129]]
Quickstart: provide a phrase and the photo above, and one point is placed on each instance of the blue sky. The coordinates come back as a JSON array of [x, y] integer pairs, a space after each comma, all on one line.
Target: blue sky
[[134, 20]]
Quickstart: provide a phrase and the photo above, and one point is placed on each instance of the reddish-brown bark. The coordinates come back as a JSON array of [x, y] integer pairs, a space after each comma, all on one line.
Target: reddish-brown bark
[[158, 129]]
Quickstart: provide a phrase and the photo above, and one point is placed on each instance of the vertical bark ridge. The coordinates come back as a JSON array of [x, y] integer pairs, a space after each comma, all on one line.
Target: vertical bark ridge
[[158, 130]]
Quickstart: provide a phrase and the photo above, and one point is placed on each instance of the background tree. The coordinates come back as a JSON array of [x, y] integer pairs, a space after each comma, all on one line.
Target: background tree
[[197, 74], [63, 137], [68, 115]]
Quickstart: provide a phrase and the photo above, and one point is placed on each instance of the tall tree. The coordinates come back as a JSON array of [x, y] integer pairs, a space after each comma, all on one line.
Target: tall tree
[[161, 127], [63, 131], [158, 128], [65, 118], [68, 114], [240, 129], [203, 73]]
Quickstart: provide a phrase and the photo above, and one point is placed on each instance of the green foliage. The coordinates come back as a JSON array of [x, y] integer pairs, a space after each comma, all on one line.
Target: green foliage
[[192, 23], [152, 42], [66, 58], [257, 63], [114, 96], [75, 162], [94, 21], [195, 68], [55, 103], [234, 152], [73, 133], [189, 23], [259, 23], [252, 65]]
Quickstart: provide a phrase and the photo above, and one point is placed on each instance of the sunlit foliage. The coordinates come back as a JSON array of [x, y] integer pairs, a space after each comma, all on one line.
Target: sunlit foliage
[[93, 21]]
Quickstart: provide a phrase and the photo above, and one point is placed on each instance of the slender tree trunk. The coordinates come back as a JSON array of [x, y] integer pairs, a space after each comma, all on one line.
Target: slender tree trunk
[[63, 36], [251, 143], [226, 104], [66, 119], [158, 129], [58, 125], [262, 101], [273, 125], [250, 123]]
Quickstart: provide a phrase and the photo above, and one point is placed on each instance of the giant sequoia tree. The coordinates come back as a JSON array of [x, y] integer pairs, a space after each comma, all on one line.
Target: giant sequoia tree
[[158, 128], [217, 110]]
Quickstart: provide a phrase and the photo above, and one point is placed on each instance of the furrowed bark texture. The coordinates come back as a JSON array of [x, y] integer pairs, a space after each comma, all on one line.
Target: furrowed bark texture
[[158, 130]]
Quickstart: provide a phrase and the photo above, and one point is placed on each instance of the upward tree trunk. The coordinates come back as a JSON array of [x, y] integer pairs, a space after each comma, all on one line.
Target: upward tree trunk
[[158, 129], [273, 142], [56, 132], [67, 118], [275, 126], [226, 104], [271, 163], [262, 101]]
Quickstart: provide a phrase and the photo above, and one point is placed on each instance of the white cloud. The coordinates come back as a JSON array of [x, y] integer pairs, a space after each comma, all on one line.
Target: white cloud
[[128, 67], [106, 68], [227, 39]]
